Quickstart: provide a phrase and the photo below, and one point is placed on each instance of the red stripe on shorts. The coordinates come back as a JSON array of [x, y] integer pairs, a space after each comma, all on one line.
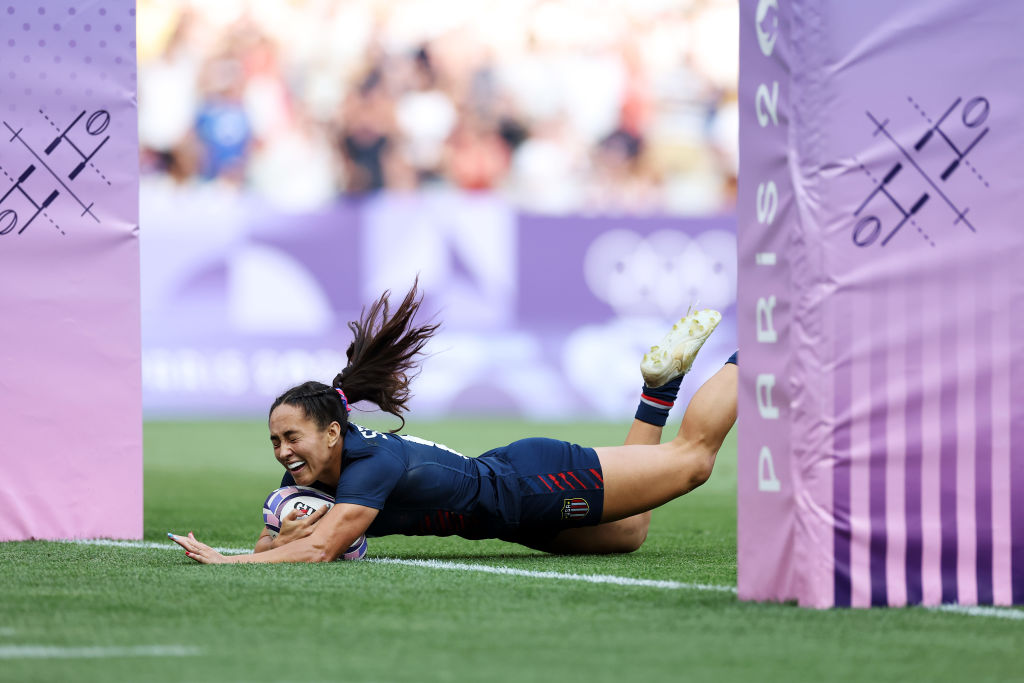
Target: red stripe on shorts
[[582, 485]]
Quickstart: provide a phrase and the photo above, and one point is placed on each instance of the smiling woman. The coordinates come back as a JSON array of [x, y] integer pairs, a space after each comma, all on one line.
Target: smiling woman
[[542, 493]]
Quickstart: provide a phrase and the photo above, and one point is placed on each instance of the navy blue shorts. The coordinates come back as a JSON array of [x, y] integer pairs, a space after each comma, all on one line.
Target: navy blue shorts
[[559, 485]]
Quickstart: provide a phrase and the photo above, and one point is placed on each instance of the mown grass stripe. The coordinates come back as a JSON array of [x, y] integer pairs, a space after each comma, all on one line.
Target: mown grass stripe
[[966, 610], [53, 652]]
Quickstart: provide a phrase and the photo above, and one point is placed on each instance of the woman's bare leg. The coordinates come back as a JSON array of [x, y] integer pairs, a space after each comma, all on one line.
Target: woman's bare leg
[[638, 478], [644, 473]]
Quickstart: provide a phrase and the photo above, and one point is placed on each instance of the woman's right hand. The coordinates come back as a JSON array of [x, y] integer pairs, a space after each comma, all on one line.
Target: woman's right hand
[[294, 527]]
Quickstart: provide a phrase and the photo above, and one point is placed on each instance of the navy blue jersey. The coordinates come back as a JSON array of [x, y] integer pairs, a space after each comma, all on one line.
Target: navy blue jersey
[[424, 488]]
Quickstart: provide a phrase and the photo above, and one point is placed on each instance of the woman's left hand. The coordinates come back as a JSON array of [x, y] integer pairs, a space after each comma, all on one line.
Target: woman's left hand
[[200, 552]]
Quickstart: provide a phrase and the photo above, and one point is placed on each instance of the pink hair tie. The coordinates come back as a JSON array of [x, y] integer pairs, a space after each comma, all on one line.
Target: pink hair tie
[[344, 400]]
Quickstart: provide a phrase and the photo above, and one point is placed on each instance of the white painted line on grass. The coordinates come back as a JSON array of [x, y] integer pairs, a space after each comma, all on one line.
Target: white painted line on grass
[[52, 652], [980, 611], [967, 610], [466, 567], [588, 578], [152, 544], [135, 544]]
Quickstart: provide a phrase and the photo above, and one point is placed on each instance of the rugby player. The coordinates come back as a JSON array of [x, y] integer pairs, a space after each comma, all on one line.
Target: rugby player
[[542, 493]]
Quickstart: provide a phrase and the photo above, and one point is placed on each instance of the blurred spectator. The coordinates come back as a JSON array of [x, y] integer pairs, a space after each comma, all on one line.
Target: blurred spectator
[[367, 133], [168, 94], [544, 169], [477, 156], [554, 106], [622, 180], [222, 124], [425, 116]]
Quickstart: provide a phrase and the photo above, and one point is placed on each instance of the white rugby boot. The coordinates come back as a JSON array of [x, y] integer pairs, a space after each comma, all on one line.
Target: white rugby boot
[[677, 351]]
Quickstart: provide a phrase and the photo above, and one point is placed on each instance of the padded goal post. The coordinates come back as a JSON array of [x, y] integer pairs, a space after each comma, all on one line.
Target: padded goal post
[[70, 378], [881, 303]]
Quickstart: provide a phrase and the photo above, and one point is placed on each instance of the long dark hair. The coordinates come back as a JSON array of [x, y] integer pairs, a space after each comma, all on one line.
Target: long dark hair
[[382, 361]]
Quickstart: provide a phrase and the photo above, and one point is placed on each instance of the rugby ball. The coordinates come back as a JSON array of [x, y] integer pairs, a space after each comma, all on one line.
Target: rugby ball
[[306, 500]]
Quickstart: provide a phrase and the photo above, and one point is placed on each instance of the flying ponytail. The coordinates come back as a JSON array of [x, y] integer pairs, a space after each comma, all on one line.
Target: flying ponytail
[[382, 361]]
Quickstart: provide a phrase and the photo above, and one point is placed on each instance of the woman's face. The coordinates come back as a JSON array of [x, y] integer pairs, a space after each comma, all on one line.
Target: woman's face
[[306, 451]]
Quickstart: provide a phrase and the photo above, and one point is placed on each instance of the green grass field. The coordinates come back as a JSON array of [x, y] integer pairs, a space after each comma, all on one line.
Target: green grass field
[[150, 614]]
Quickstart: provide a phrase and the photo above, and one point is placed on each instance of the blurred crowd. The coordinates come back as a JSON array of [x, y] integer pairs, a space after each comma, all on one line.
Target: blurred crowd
[[585, 106]]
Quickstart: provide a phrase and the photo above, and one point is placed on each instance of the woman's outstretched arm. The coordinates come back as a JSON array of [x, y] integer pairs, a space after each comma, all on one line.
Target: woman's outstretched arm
[[335, 532]]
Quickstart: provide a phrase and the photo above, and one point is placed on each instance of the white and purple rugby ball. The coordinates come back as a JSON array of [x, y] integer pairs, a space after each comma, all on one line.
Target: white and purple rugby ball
[[306, 500]]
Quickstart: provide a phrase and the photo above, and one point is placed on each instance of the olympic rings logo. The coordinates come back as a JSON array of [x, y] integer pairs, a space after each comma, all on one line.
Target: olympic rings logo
[[662, 273]]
